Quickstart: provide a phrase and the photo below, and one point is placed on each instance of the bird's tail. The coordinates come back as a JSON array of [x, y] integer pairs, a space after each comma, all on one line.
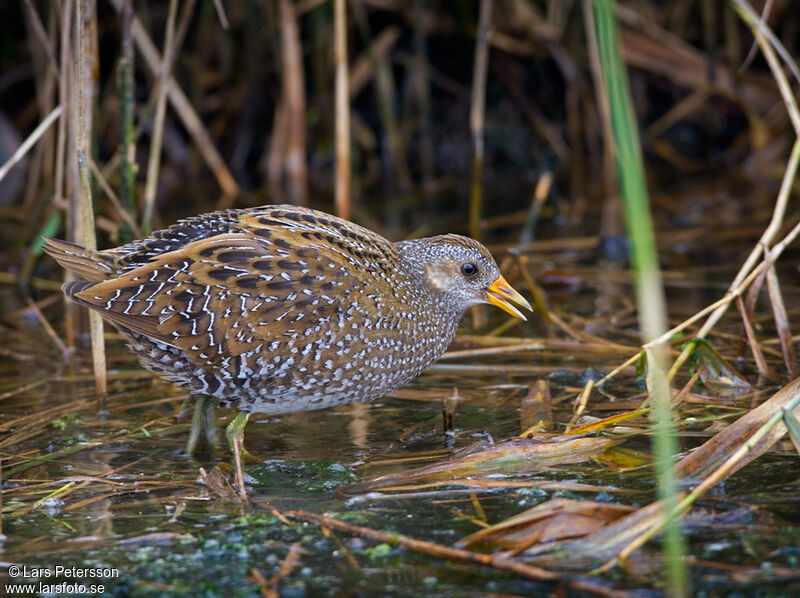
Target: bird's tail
[[89, 264]]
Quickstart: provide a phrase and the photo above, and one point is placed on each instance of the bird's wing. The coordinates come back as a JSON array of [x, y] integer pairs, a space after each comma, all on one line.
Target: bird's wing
[[238, 292]]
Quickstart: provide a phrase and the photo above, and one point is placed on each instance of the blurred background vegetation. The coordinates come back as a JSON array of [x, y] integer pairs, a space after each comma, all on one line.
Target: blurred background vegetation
[[259, 76]]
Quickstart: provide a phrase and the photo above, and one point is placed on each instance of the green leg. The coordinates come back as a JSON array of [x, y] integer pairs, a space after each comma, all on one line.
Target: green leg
[[203, 420], [197, 424], [235, 434], [210, 427]]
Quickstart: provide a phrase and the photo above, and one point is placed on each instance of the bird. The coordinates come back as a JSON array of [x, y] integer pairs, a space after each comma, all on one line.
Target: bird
[[281, 308]]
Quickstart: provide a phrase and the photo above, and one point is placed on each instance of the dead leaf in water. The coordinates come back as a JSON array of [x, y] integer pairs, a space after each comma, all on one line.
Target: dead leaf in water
[[217, 485], [515, 456], [600, 544], [556, 519], [716, 373]]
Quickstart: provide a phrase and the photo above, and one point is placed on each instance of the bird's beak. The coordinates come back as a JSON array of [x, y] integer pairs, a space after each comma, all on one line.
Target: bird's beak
[[500, 293]]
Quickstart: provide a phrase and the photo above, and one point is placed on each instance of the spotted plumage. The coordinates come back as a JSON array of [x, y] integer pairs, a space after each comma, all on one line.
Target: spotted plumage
[[280, 308]]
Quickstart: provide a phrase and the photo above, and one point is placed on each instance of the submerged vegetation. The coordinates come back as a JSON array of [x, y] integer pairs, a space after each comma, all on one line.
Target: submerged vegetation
[[522, 461]]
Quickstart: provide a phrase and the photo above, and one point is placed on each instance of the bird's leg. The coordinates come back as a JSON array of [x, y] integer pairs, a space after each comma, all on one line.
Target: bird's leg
[[203, 420], [210, 427], [235, 434], [197, 423]]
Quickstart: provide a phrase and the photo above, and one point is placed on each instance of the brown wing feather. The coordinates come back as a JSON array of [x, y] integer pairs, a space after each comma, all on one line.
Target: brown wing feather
[[230, 294], [86, 263], [257, 221]]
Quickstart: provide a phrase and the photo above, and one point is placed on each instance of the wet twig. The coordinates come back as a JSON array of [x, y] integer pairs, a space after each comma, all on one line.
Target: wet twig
[[462, 556]]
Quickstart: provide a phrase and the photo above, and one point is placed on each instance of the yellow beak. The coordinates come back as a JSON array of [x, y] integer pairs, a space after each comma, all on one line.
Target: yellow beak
[[500, 293]]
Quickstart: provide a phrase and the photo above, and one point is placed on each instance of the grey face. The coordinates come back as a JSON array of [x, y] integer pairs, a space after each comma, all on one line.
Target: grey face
[[462, 275], [457, 268]]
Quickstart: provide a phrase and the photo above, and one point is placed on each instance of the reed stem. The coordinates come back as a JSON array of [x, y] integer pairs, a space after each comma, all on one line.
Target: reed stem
[[126, 111], [294, 98], [426, 154], [65, 100], [342, 101], [477, 115], [85, 22], [651, 304], [153, 163]]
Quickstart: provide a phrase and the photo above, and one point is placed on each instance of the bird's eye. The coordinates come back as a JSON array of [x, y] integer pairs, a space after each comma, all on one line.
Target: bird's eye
[[469, 269]]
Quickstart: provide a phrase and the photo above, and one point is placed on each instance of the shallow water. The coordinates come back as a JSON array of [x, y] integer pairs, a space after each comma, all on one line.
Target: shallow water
[[114, 489]]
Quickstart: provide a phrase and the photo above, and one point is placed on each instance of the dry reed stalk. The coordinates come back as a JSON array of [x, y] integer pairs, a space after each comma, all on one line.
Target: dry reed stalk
[[40, 166], [294, 97], [752, 19], [183, 23], [127, 108], [601, 99], [538, 345], [751, 54], [393, 152], [162, 81], [681, 394], [183, 108], [124, 216], [342, 109], [261, 581], [678, 112], [477, 114], [274, 159], [751, 298], [781, 320], [85, 22], [46, 74], [91, 63], [47, 327], [65, 100], [223, 18], [580, 405], [40, 33], [540, 194], [422, 88], [29, 142], [752, 341], [472, 370], [363, 65]]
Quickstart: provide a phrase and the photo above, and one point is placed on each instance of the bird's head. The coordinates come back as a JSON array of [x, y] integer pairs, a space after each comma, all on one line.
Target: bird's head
[[462, 272]]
